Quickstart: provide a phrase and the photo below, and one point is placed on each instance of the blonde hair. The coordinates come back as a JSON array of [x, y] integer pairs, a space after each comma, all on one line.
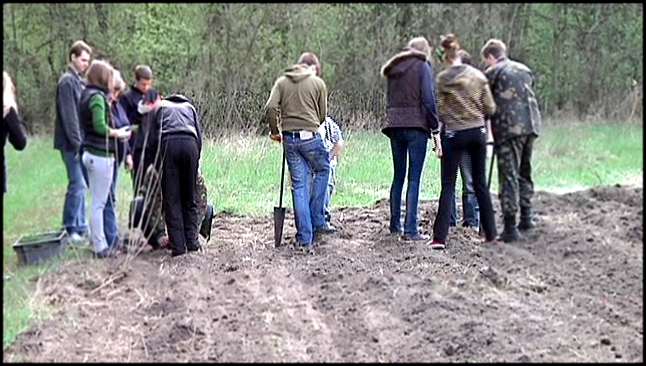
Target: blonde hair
[[119, 84], [8, 94], [101, 73], [420, 44]]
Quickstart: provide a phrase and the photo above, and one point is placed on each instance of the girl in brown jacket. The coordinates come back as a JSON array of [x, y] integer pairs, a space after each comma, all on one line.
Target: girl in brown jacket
[[464, 101]]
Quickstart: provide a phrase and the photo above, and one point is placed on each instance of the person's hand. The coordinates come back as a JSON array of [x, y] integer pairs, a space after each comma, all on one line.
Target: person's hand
[[155, 103], [437, 146], [144, 108], [124, 133], [129, 163], [163, 241], [277, 137]]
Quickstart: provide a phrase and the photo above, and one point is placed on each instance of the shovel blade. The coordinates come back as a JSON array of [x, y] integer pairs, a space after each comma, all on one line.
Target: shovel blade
[[279, 221]]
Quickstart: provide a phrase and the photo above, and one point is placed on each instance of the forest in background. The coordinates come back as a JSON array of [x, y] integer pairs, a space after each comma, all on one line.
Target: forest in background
[[588, 58]]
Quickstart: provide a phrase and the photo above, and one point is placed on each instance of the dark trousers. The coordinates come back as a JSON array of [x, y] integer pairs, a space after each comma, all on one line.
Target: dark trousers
[[514, 158], [454, 145], [470, 209], [408, 145], [178, 185]]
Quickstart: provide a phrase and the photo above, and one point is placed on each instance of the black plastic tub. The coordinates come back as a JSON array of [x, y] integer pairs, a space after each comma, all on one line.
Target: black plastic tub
[[32, 249]]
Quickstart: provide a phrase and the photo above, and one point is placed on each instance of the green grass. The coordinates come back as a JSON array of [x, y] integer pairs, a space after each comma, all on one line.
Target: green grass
[[243, 176]]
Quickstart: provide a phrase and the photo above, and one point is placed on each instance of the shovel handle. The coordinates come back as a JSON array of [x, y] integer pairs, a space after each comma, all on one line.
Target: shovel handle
[[493, 157], [282, 179]]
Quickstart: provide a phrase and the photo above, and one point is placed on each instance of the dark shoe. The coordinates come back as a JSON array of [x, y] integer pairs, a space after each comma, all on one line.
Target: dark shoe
[[119, 247], [325, 229], [207, 223], [416, 237], [105, 253], [306, 249], [436, 244], [194, 248], [469, 224], [177, 254], [526, 222], [510, 232]]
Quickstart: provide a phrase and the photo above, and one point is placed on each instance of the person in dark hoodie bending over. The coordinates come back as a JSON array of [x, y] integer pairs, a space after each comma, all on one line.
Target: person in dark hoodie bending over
[[176, 130], [138, 102], [300, 98], [411, 118]]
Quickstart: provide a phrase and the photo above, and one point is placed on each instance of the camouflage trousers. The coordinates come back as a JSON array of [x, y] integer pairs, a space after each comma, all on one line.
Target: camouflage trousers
[[515, 183], [155, 227]]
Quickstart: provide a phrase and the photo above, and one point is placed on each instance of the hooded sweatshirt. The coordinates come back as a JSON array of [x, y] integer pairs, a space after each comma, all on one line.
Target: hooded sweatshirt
[[299, 97], [464, 98]]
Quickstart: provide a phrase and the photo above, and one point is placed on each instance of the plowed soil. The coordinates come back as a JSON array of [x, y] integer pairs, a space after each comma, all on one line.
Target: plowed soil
[[571, 291]]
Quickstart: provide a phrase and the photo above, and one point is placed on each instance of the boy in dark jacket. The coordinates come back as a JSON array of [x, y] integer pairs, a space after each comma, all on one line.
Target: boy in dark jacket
[[138, 102], [68, 137]]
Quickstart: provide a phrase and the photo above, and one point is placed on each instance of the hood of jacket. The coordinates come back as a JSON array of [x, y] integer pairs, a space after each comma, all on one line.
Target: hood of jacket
[[461, 76], [401, 62], [178, 98], [298, 73]]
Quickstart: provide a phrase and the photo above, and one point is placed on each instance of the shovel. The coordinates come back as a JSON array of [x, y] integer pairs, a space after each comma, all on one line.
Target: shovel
[[279, 212], [493, 157]]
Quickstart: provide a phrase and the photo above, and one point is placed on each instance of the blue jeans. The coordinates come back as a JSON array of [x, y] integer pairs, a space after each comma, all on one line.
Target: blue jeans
[[110, 211], [471, 214], [74, 206], [406, 144], [330, 191], [305, 157]]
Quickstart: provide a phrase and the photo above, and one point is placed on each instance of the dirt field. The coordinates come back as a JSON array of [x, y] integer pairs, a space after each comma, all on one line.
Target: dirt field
[[572, 291]]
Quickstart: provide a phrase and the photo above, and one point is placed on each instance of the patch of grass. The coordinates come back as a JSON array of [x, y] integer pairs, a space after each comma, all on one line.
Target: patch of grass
[[19, 305], [243, 176]]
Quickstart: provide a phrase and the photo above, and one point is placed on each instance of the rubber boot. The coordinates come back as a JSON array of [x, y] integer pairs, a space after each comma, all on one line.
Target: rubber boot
[[510, 232], [526, 222]]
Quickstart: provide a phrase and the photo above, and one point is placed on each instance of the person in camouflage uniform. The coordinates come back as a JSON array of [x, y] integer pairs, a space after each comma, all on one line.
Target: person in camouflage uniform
[[515, 126], [153, 225]]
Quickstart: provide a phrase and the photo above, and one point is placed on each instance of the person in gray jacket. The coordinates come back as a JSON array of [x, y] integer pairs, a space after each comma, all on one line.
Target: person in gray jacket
[[175, 136], [67, 139]]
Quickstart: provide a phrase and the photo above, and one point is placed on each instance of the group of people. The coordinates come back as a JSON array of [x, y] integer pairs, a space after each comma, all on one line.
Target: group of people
[[102, 124], [469, 114], [469, 110]]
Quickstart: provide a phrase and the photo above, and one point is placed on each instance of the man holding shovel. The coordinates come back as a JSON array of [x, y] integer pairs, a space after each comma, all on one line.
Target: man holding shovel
[[515, 126], [300, 98]]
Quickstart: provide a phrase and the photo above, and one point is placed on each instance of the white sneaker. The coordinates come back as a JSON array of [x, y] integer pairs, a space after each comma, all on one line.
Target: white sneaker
[[75, 239]]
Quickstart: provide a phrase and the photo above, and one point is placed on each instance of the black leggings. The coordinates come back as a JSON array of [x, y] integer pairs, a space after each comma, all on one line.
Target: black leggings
[[454, 145]]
